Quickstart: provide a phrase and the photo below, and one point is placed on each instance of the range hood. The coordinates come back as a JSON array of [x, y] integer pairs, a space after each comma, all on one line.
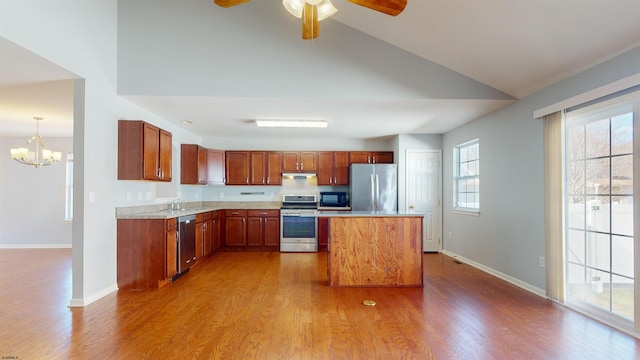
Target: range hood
[[299, 176]]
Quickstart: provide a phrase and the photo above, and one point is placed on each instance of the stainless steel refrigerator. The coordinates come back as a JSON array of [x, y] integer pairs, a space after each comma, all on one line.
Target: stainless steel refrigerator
[[373, 187]]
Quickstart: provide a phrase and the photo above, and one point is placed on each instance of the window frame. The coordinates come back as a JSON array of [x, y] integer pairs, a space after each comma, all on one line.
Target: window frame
[[457, 178]]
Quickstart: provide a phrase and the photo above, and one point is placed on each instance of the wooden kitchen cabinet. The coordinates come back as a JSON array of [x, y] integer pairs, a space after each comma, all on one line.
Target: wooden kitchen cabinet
[[263, 228], [333, 168], [323, 233], [171, 263], [193, 164], [237, 166], [299, 161], [144, 151], [370, 157], [265, 168], [200, 235], [207, 241], [146, 252], [216, 168], [216, 231], [235, 228]]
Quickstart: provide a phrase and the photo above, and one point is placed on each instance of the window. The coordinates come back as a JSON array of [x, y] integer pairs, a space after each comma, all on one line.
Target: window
[[68, 197], [599, 225], [466, 176]]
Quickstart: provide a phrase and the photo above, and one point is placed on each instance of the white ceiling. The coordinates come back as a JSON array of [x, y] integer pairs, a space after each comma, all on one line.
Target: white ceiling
[[516, 46]]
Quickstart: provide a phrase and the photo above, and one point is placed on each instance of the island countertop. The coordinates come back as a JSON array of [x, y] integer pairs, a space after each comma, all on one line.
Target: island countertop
[[365, 214]]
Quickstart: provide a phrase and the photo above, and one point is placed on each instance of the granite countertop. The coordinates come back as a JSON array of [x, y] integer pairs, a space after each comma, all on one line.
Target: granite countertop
[[162, 211]]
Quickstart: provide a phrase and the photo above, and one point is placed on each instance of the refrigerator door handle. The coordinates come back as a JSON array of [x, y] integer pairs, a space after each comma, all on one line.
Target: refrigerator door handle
[[372, 201]]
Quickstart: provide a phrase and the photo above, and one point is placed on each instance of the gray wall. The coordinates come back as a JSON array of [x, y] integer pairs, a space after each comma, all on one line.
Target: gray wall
[[32, 200], [508, 236]]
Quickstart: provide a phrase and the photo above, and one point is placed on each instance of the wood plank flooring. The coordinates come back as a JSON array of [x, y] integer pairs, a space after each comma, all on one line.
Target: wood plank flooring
[[278, 306]]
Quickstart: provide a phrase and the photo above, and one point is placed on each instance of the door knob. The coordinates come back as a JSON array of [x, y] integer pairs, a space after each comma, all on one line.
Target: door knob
[[411, 207]]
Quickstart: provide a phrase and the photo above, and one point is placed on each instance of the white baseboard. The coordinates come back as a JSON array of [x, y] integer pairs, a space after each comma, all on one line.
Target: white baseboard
[[82, 302], [502, 276], [35, 246]]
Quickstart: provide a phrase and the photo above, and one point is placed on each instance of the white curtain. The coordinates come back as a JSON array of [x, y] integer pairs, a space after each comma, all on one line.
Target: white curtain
[[553, 150]]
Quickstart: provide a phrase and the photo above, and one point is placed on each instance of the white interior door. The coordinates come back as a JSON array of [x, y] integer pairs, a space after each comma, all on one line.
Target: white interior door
[[424, 193]]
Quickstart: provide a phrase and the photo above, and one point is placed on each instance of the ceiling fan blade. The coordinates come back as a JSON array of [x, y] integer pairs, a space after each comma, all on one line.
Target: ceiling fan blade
[[229, 3], [310, 23], [389, 7]]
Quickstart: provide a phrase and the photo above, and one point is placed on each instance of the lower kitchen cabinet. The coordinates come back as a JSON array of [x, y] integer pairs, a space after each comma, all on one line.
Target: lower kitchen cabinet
[[207, 242], [146, 252], [200, 225], [235, 228], [323, 233], [263, 228], [216, 230]]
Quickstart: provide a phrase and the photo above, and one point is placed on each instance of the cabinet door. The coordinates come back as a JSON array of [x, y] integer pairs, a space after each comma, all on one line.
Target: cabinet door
[[341, 168], [202, 165], [254, 231], [325, 168], [290, 161], [216, 234], [237, 167], [164, 155], [258, 172], [215, 167], [151, 149], [272, 231], [323, 233], [274, 168], [235, 230], [384, 157], [208, 240], [359, 157], [199, 238], [308, 161], [171, 250]]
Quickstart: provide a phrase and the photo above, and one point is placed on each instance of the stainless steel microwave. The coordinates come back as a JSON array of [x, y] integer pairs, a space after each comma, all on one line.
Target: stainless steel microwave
[[333, 199]]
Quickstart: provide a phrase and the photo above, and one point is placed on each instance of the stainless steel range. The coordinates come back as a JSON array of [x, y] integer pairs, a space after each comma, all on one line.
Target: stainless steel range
[[298, 223]]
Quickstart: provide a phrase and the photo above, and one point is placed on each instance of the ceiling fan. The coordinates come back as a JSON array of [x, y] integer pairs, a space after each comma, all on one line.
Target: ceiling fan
[[313, 11]]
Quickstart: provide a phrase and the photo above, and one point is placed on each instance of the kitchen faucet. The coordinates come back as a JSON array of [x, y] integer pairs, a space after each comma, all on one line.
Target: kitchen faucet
[[175, 204]]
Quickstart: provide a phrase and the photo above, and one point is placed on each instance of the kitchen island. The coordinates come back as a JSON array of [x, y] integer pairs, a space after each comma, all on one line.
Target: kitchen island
[[374, 249]]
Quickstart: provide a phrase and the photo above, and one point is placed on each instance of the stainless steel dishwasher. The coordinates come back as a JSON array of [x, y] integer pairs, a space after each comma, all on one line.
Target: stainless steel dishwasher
[[186, 242]]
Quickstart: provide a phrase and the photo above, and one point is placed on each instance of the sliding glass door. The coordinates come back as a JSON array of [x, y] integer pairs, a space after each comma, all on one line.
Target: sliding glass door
[[599, 208]]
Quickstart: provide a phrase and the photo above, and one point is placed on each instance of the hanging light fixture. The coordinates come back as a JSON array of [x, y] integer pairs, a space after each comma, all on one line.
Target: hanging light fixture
[[35, 153], [311, 12]]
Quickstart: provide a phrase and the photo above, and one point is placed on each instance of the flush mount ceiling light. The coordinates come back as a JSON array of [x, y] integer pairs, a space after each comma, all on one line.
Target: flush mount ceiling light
[[34, 152], [313, 11], [292, 123]]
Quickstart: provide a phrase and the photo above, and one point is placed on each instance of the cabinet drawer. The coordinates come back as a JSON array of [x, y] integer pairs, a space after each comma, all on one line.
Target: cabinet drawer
[[264, 212], [199, 217], [235, 213], [207, 216]]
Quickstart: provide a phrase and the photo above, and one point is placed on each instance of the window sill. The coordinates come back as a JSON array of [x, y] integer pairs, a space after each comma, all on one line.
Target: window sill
[[466, 212]]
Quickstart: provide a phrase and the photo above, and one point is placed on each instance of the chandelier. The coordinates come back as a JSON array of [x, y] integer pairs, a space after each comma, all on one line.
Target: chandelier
[[34, 152]]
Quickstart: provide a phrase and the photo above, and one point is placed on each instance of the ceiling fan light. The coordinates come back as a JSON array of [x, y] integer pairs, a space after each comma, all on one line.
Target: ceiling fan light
[[294, 7], [326, 9], [314, 2]]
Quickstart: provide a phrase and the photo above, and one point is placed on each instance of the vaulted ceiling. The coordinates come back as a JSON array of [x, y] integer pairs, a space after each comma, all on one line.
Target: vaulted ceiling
[[434, 67]]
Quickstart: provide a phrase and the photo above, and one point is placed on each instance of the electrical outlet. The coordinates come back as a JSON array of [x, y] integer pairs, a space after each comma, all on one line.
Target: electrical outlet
[[541, 261]]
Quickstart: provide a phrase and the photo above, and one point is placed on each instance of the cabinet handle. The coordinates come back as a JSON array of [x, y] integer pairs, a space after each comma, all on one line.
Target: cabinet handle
[[268, 180], [369, 159], [263, 213], [296, 166], [247, 179], [301, 166], [235, 213], [335, 180], [263, 179]]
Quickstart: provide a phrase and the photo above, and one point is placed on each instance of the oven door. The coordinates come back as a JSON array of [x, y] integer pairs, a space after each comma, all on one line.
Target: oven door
[[298, 233]]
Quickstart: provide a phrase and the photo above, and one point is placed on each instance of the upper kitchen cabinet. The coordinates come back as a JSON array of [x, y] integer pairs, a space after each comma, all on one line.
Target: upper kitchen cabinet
[[144, 151], [253, 167], [333, 168], [237, 167], [299, 161], [193, 164], [215, 168], [266, 167], [371, 157]]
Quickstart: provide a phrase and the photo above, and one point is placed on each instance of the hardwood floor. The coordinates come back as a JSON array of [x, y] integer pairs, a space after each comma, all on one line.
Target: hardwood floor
[[278, 306]]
